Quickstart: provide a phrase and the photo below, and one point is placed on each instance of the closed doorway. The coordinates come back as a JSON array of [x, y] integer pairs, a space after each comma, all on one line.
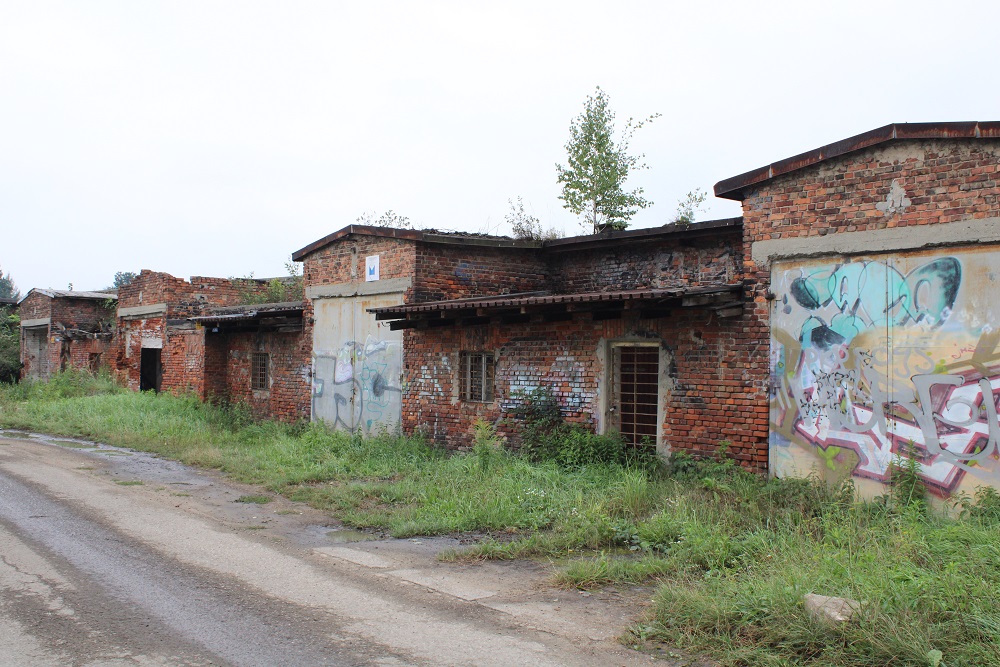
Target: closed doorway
[[635, 392]]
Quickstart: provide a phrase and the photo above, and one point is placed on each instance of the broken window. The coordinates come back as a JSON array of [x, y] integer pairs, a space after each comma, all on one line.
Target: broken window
[[258, 371], [477, 377]]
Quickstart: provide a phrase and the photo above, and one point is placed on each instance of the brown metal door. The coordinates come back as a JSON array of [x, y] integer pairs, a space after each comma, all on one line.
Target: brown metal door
[[636, 392]]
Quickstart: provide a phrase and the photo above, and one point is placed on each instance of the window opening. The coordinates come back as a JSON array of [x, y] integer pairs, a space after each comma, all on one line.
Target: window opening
[[477, 377], [258, 371]]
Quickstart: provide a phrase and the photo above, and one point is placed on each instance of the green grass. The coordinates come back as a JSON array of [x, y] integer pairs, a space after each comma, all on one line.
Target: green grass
[[254, 499], [731, 554]]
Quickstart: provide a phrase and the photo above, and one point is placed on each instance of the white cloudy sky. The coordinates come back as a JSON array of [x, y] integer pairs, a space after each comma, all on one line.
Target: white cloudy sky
[[215, 138]]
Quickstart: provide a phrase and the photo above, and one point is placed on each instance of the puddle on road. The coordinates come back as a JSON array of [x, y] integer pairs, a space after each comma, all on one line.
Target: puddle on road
[[111, 452], [347, 535], [71, 443]]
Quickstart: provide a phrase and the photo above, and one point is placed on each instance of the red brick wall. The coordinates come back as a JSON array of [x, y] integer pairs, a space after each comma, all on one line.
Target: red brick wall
[[456, 271], [945, 181], [288, 397], [128, 348], [710, 388], [651, 263], [35, 306], [344, 260]]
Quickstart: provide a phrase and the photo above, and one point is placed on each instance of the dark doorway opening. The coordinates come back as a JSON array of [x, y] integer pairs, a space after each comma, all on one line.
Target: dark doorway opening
[[636, 393], [149, 369]]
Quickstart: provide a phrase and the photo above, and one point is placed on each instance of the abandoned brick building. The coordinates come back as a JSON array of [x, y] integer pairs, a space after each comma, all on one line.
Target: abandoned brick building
[[197, 337], [847, 319], [63, 329]]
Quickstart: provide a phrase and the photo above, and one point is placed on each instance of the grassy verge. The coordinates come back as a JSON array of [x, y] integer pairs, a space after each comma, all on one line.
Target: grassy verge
[[732, 554]]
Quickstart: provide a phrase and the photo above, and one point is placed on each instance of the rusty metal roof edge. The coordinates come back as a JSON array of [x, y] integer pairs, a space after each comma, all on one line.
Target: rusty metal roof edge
[[514, 300], [732, 188]]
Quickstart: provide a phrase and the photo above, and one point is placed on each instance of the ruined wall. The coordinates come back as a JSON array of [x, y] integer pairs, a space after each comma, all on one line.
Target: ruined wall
[[182, 298], [886, 355], [228, 364], [650, 263], [705, 385], [78, 335]]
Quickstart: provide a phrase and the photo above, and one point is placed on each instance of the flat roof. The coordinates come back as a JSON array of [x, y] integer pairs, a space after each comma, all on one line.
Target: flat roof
[[733, 188], [569, 243], [68, 294]]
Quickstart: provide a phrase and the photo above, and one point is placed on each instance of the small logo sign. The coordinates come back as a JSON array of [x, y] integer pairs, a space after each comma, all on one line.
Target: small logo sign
[[371, 268]]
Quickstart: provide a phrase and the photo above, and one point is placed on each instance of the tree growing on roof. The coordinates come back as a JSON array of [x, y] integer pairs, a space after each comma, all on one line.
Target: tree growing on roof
[[526, 226], [689, 207], [593, 181]]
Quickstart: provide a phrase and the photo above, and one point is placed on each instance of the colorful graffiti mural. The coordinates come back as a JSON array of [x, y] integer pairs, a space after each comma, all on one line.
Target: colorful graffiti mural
[[874, 360]]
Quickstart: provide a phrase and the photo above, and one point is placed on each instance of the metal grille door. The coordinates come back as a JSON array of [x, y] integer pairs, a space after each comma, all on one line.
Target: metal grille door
[[636, 392]]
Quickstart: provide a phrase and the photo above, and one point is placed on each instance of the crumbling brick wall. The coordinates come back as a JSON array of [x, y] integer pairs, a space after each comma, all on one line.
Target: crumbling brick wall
[[78, 334]]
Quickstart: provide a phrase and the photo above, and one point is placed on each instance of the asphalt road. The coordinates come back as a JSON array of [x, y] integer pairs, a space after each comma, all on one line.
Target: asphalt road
[[115, 558]]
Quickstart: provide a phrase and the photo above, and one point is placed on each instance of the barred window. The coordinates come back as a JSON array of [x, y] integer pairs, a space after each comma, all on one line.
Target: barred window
[[477, 377], [258, 371]]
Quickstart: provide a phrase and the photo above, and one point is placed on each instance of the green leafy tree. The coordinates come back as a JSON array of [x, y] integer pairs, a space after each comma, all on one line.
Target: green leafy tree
[[689, 207], [123, 278], [10, 345], [8, 290], [593, 181], [526, 226]]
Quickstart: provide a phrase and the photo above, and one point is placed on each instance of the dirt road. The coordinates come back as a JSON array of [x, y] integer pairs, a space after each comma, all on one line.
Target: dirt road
[[112, 557]]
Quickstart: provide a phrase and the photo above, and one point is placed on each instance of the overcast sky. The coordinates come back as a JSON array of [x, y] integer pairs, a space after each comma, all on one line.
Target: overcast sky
[[215, 138]]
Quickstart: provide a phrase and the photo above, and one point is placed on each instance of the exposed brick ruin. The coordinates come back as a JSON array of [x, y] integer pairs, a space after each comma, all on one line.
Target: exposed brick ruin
[[65, 329]]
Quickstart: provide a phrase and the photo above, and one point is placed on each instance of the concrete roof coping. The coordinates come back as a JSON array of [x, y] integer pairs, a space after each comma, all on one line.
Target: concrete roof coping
[[735, 187], [68, 294]]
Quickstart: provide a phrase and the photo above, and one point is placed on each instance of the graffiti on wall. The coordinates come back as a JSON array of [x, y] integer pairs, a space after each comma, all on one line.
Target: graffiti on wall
[[878, 360], [363, 392]]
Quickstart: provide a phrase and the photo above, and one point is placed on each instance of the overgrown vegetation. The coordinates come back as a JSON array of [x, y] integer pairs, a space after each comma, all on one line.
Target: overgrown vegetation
[[252, 291], [731, 553]]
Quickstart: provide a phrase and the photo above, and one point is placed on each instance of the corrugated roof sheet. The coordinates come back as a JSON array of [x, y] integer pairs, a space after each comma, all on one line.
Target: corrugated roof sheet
[[541, 299]]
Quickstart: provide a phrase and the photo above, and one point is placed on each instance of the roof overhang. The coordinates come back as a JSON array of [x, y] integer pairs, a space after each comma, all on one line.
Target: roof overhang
[[279, 317], [724, 299], [735, 187]]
